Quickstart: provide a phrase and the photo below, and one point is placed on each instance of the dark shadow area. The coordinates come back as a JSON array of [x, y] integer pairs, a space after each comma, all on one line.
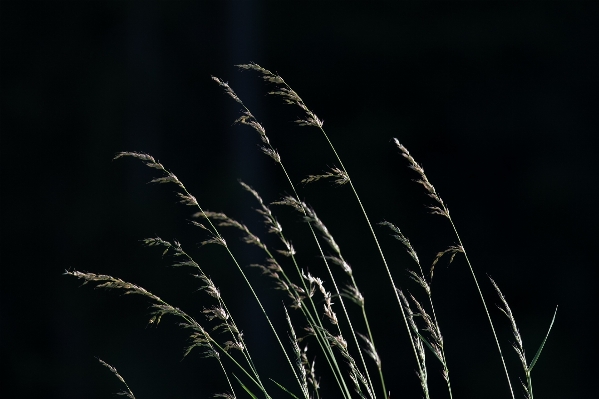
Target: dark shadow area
[[497, 101]]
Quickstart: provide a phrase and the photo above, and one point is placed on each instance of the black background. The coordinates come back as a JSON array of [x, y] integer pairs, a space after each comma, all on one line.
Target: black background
[[498, 101]]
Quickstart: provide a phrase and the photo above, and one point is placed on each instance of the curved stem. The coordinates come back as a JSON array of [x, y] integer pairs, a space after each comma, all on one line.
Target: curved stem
[[484, 304]]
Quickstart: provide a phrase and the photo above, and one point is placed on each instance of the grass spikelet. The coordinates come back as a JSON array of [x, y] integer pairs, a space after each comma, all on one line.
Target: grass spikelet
[[452, 250], [301, 365], [339, 177], [128, 393], [441, 208], [288, 95]]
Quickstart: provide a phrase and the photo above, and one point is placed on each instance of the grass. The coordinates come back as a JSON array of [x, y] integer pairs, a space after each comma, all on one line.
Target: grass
[[320, 310]]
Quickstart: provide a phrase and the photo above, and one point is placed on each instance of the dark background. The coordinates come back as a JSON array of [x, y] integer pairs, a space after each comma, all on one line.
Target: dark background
[[498, 101]]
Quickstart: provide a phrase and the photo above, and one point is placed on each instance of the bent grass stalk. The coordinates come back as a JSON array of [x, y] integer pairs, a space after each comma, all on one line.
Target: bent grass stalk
[[187, 199], [323, 327], [128, 393], [340, 175], [248, 118], [441, 209]]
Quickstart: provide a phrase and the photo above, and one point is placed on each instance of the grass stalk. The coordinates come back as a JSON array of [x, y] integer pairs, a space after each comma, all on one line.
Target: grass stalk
[[188, 199], [249, 119], [441, 209]]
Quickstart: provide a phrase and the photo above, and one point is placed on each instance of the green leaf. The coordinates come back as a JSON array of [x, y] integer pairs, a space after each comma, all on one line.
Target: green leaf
[[284, 389], [245, 388], [534, 360]]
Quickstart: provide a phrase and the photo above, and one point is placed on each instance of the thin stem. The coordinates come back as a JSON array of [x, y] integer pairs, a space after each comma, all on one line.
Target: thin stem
[[441, 209], [189, 199], [291, 97], [380, 250], [249, 119], [345, 388], [484, 304]]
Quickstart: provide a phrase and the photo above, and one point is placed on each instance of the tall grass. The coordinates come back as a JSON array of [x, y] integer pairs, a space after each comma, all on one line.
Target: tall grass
[[319, 307]]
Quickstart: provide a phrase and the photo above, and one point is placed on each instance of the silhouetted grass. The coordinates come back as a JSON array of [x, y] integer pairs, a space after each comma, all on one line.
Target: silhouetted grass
[[319, 305]]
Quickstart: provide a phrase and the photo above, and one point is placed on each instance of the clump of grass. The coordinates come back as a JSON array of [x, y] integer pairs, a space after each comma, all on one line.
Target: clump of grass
[[320, 304]]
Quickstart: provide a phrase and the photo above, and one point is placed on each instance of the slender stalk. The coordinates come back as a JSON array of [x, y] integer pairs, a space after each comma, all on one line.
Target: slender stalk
[[382, 255], [291, 97], [249, 119], [160, 308], [482, 298], [189, 199], [441, 209]]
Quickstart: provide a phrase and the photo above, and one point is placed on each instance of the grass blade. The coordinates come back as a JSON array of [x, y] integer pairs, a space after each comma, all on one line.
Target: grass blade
[[284, 389], [245, 388], [534, 360]]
